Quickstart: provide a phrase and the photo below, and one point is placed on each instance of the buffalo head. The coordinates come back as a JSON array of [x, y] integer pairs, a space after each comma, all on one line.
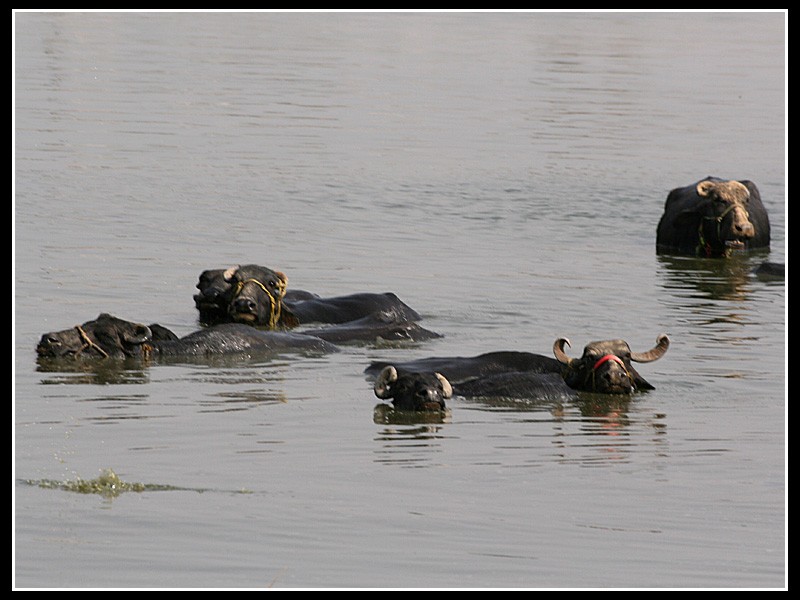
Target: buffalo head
[[105, 337], [605, 367], [424, 392], [712, 218], [256, 296], [213, 297], [725, 214]]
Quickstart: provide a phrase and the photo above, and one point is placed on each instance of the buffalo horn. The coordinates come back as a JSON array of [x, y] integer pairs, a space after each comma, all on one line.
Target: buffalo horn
[[662, 344], [447, 389], [230, 272], [384, 382], [558, 350]]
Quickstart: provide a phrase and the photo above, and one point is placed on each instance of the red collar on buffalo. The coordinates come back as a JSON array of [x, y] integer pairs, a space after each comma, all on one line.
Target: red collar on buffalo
[[608, 357]]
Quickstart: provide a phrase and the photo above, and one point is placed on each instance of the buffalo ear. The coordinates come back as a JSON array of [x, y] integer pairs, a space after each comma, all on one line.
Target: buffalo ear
[[161, 333], [108, 341], [704, 188], [641, 382], [139, 335], [751, 187], [288, 318], [229, 273]]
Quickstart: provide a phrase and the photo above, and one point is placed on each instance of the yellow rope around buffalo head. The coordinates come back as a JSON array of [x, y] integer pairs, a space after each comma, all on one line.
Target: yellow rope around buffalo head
[[704, 247], [88, 343], [274, 304]]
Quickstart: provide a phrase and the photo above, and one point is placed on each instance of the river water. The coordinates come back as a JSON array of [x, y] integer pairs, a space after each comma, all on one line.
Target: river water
[[503, 173]]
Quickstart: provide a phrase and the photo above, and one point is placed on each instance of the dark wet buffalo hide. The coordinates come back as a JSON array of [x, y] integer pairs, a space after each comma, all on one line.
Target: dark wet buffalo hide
[[110, 337]]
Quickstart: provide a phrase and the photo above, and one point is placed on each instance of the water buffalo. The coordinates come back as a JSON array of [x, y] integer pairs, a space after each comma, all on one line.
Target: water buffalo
[[213, 296], [216, 292], [258, 296], [605, 367], [712, 218], [420, 392], [110, 337]]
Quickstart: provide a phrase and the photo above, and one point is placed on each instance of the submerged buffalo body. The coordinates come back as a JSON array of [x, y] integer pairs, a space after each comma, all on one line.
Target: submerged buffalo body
[[458, 369], [343, 309], [517, 384], [376, 327], [712, 218], [771, 270], [605, 367], [110, 337]]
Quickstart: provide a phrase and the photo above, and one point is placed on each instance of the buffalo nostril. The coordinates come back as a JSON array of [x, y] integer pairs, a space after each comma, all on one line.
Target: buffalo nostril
[[428, 395], [244, 304], [614, 377]]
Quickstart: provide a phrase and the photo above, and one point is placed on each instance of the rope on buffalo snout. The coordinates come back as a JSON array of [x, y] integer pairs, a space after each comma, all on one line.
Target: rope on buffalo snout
[[703, 246], [274, 306], [88, 343]]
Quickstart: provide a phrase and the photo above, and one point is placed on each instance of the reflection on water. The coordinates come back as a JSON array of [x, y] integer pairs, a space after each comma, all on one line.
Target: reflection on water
[[612, 407], [593, 429], [100, 372], [410, 439], [715, 295], [719, 303], [385, 413], [710, 279], [609, 430], [554, 407], [236, 401], [118, 407]]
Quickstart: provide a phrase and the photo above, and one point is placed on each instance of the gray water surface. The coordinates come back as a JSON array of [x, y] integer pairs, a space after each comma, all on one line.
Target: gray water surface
[[503, 174]]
